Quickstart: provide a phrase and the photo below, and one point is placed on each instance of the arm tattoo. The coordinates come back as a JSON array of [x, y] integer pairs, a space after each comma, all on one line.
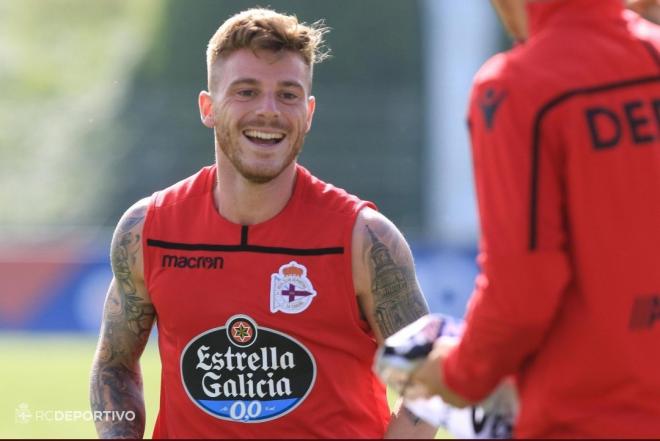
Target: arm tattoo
[[116, 381], [398, 300], [137, 316]]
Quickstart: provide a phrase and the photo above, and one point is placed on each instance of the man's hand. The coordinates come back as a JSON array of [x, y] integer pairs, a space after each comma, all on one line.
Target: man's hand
[[428, 380]]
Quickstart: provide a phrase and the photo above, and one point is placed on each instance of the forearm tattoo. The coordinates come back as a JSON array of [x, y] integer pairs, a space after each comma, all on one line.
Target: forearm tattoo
[[398, 301], [116, 381]]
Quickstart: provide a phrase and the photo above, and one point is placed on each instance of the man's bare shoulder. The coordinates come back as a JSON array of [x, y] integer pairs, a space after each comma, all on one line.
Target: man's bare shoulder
[[126, 248], [133, 218]]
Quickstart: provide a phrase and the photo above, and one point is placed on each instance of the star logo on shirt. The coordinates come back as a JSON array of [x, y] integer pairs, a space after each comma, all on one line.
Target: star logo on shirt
[[489, 102], [241, 332]]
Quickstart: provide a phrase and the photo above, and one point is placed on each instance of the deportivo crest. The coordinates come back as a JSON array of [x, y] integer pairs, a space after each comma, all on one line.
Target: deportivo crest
[[245, 373], [290, 289]]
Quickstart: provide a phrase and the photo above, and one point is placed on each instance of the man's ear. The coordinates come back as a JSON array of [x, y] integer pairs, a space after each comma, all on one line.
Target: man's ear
[[311, 105], [206, 109]]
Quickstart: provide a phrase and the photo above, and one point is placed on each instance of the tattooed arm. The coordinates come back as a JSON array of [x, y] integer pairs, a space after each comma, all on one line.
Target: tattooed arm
[[388, 295], [128, 315], [384, 275]]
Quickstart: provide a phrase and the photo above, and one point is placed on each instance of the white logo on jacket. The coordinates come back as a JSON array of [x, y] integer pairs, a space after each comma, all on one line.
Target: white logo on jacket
[[290, 289]]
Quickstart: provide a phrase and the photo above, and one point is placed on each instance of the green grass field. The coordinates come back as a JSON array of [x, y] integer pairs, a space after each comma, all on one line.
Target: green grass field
[[51, 372], [44, 372]]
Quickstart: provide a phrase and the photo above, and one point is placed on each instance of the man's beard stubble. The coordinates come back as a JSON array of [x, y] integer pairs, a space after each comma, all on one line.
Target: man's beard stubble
[[224, 141]]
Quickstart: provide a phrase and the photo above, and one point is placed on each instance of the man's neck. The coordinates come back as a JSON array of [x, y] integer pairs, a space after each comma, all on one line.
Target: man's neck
[[246, 203]]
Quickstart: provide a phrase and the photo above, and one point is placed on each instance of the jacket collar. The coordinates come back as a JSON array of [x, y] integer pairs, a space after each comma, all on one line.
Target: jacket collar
[[547, 13]]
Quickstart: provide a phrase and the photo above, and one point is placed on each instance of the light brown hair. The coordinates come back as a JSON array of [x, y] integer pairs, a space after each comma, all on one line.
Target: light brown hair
[[260, 28]]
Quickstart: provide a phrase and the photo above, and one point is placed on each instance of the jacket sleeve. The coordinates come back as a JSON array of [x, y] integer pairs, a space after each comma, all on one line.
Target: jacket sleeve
[[523, 244]]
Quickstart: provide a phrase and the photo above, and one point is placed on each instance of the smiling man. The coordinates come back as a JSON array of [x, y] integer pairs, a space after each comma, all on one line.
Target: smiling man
[[271, 288]]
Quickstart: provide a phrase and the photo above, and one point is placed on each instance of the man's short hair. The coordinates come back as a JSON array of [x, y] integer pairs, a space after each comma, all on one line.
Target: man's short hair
[[265, 29]]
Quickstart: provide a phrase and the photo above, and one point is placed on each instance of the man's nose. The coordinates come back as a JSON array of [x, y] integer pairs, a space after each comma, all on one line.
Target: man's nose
[[268, 106]]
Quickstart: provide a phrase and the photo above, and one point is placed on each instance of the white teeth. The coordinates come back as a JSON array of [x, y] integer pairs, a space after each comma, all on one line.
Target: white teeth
[[263, 135]]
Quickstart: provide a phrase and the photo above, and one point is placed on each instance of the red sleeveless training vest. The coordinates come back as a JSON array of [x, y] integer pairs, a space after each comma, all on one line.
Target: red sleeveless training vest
[[258, 326]]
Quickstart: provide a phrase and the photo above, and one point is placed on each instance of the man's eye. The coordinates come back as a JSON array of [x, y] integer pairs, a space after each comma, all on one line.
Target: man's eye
[[289, 96], [247, 93]]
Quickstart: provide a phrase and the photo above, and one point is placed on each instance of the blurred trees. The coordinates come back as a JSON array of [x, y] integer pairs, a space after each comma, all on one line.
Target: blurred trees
[[64, 66]]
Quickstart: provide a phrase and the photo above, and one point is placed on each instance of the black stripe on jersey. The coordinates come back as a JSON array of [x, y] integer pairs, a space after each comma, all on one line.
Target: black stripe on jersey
[[244, 235], [244, 248], [536, 140]]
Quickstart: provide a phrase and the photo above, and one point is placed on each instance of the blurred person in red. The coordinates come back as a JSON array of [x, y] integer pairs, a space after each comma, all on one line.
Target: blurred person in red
[[565, 132], [270, 288]]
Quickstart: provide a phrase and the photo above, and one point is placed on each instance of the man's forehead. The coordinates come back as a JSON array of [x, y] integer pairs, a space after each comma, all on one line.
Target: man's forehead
[[262, 66]]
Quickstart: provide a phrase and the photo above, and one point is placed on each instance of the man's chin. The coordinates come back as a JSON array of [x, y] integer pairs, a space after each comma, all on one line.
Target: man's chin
[[652, 14], [258, 178], [258, 170]]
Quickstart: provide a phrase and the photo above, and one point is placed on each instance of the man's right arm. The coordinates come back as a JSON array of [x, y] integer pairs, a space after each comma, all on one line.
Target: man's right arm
[[128, 315]]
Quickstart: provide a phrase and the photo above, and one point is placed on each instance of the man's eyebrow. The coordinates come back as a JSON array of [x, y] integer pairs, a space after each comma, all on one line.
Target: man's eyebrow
[[248, 81], [291, 83], [254, 82]]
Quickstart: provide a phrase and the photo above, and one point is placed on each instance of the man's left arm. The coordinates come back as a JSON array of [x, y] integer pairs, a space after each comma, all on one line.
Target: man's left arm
[[524, 251], [389, 296]]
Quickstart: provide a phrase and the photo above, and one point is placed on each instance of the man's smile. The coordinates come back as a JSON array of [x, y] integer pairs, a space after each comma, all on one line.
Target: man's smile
[[263, 138]]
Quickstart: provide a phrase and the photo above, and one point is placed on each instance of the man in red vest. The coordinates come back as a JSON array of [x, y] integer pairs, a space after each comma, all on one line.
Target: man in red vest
[[565, 131], [270, 288]]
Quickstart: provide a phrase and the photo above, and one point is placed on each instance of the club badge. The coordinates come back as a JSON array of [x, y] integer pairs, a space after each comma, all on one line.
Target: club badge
[[290, 290]]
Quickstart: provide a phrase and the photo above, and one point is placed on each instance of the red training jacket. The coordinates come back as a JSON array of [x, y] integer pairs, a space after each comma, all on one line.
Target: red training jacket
[[566, 148]]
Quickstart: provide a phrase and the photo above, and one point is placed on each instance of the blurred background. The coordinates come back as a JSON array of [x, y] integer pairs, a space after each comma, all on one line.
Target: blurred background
[[98, 108]]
